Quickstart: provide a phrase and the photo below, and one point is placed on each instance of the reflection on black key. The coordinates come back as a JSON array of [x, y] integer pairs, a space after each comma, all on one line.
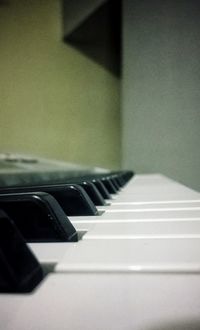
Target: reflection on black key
[[109, 185], [39, 217], [72, 197], [90, 188], [101, 187], [93, 193]]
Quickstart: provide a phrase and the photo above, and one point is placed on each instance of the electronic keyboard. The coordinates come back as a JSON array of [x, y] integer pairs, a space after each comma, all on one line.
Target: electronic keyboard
[[129, 258]]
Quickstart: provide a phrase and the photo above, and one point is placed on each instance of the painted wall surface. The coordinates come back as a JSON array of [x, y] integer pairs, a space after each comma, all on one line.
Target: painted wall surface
[[54, 102], [161, 88]]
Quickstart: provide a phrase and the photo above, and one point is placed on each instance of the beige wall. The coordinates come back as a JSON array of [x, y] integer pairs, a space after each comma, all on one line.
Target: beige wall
[[54, 102]]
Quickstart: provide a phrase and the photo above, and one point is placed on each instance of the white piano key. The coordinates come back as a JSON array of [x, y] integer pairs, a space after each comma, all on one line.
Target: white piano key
[[146, 207], [139, 216], [88, 223], [145, 255], [149, 179], [49, 253], [140, 230], [151, 190], [190, 202], [82, 226], [153, 181], [164, 183], [102, 301], [147, 196]]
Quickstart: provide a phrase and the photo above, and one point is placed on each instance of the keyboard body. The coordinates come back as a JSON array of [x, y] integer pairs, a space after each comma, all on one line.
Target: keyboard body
[[136, 267]]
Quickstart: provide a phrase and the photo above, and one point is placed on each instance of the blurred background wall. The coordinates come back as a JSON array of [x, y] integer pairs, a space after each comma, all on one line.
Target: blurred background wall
[[161, 88], [54, 101]]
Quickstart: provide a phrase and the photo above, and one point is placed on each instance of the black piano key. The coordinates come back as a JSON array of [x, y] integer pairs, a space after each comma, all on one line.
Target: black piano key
[[97, 182], [101, 187], [39, 217], [114, 182], [109, 185], [93, 193], [90, 188], [19, 269], [119, 181], [127, 175], [105, 179], [121, 178], [72, 197]]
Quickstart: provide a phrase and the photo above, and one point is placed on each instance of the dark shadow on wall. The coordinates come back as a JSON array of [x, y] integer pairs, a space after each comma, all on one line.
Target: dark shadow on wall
[[99, 35]]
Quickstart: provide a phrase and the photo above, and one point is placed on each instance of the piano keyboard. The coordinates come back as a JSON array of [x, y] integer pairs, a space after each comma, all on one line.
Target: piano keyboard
[[136, 266]]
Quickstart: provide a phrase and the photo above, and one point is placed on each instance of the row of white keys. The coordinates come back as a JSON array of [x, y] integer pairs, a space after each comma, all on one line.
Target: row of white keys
[[119, 283], [141, 230], [52, 253], [130, 225], [154, 189], [131, 228], [142, 216], [163, 235]]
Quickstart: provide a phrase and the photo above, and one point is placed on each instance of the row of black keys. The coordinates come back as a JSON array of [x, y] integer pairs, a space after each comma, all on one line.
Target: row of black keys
[[39, 214]]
